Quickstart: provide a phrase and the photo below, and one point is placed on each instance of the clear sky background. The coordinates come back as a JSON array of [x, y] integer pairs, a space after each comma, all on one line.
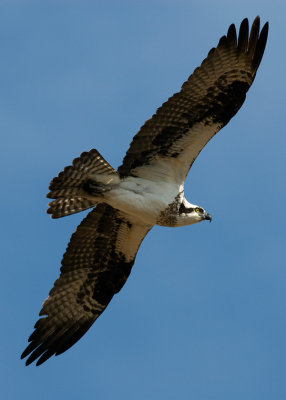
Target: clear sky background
[[203, 314]]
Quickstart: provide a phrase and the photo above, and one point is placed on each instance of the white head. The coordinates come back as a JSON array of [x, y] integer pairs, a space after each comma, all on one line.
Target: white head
[[191, 214]]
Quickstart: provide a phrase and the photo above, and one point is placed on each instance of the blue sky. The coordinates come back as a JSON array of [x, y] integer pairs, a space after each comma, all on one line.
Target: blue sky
[[203, 314]]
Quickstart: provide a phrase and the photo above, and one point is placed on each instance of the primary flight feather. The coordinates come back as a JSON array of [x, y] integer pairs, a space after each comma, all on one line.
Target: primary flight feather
[[147, 189]]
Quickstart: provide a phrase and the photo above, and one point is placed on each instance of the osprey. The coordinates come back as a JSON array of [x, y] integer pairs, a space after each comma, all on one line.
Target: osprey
[[146, 190]]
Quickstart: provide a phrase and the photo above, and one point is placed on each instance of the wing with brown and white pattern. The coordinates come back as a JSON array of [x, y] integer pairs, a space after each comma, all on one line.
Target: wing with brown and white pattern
[[96, 265], [212, 95]]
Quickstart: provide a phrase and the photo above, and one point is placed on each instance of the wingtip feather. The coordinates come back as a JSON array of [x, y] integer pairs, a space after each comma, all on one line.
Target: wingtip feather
[[231, 35], [260, 46], [243, 35]]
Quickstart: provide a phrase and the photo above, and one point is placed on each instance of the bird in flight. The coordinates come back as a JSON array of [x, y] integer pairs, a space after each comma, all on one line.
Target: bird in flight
[[146, 190]]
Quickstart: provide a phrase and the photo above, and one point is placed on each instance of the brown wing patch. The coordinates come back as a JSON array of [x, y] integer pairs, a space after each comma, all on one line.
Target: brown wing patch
[[94, 268], [210, 97]]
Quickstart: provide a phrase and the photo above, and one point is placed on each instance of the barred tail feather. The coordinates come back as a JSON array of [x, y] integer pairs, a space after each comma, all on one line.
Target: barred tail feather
[[69, 188], [62, 207]]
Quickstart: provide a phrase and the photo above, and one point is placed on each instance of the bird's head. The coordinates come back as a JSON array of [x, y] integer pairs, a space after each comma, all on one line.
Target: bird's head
[[192, 213]]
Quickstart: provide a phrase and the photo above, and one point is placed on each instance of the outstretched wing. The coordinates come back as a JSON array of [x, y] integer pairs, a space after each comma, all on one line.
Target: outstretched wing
[[96, 265], [169, 142]]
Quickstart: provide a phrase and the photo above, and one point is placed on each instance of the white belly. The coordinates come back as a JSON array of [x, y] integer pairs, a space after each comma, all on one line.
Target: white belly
[[144, 200]]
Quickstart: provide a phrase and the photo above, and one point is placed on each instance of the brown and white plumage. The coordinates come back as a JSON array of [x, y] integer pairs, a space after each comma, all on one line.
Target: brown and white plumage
[[207, 101], [95, 266], [147, 189]]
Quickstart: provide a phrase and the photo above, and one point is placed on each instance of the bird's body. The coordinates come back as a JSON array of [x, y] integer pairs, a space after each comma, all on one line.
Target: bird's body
[[142, 199], [146, 190], [150, 202]]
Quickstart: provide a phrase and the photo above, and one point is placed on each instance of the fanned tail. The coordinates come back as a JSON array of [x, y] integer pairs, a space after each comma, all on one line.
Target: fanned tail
[[80, 186]]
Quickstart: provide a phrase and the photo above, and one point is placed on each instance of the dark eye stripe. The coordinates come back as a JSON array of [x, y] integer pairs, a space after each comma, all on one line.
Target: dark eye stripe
[[185, 210]]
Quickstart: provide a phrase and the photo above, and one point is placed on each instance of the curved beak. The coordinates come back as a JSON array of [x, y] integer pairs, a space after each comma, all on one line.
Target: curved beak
[[208, 217]]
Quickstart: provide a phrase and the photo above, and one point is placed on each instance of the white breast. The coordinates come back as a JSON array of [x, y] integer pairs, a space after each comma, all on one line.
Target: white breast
[[143, 199]]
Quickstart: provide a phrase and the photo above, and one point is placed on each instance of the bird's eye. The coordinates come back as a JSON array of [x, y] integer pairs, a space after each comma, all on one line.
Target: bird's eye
[[199, 210]]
